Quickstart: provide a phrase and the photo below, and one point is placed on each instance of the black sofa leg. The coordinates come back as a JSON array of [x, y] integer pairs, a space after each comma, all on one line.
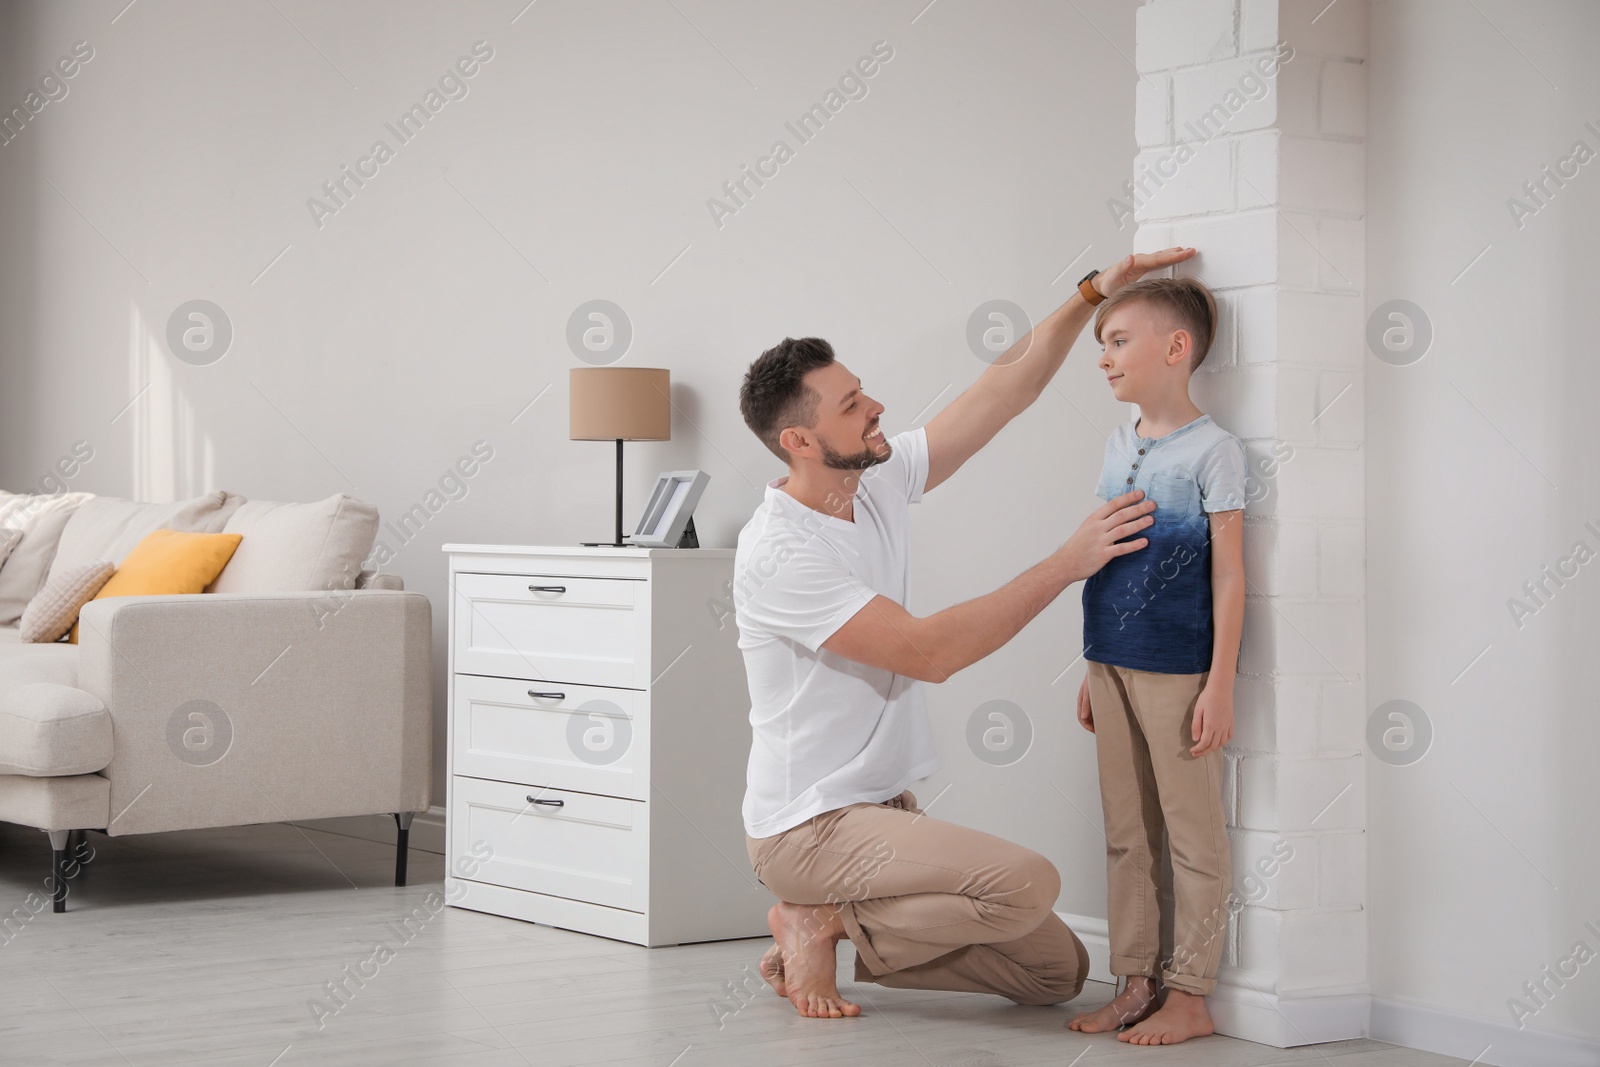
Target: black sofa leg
[[402, 819], [58, 867], [78, 848]]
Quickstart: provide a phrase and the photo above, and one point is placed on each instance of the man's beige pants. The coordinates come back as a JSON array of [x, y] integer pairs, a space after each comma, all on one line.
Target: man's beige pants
[[929, 904], [1149, 783]]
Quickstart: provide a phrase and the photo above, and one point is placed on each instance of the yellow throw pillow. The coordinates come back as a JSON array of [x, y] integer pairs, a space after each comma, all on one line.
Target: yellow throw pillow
[[169, 561]]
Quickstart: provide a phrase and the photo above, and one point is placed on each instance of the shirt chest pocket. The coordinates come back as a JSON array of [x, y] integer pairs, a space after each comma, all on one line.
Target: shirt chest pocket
[[1176, 493]]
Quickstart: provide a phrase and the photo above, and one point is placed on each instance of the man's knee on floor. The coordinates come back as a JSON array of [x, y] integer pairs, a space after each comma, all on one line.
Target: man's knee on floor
[[1060, 982]]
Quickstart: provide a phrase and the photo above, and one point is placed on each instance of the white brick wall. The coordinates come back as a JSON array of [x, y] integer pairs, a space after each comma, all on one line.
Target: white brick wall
[[1262, 877], [1196, 31], [1273, 194], [1343, 99], [1280, 558], [1279, 792], [1302, 636], [1304, 950]]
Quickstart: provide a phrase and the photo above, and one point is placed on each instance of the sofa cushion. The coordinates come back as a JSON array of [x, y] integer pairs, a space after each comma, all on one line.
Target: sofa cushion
[[296, 548], [48, 730], [108, 528], [51, 613], [169, 563], [79, 800], [23, 664], [41, 519], [8, 541]]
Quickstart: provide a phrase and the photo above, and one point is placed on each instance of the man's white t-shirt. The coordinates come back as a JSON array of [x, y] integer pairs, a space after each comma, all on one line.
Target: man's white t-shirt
[[828, 731]]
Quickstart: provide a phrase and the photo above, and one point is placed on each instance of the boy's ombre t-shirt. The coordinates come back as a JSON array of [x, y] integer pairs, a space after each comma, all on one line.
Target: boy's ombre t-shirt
[[1150, 610]]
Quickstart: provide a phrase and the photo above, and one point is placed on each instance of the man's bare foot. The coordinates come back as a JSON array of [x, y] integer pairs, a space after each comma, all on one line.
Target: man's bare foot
[[1135, 1002], [808, 937], [1181, 1017], [771, 968]]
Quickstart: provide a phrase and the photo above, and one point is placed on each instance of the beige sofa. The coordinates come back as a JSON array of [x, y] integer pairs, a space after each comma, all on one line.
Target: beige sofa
[[298, 687]]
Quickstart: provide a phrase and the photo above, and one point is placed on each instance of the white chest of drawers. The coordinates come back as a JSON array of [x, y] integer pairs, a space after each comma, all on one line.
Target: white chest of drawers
[[598, 738]]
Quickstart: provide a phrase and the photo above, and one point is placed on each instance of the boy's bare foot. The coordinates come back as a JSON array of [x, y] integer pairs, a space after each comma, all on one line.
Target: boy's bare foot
[[771, 968], [1183, 1016], [807, 940], [1136, 1001]]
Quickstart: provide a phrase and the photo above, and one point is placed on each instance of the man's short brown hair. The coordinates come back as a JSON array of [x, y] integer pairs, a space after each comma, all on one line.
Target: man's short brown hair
[[1186, 303], [774, 393]]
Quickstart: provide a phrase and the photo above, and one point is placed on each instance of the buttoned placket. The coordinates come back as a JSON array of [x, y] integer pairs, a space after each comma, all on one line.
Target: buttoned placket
[[1136, 462], [1148, 443]]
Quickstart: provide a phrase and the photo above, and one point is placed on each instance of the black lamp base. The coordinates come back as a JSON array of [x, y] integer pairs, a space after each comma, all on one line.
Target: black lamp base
[[618, 543], [689, 539]]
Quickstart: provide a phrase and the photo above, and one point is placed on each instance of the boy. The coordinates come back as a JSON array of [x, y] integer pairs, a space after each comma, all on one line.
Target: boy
[[1161, 637]]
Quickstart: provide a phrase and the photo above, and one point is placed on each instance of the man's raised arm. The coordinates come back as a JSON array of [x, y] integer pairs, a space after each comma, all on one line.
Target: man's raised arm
[[1020, 375], [885, 635]]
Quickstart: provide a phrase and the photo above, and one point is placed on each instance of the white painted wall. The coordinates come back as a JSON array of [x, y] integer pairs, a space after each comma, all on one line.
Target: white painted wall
[[427, 313], [1481, 471]]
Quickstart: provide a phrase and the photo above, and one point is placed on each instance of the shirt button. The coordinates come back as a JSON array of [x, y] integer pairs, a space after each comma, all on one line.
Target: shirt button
[[1135, 466], [1130, 481], [1141, 451]]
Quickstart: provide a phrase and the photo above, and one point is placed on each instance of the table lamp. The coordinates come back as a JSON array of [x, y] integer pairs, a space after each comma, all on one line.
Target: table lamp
[[620, 404]]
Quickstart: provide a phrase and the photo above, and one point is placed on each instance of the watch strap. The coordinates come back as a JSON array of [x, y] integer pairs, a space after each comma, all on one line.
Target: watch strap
[[1088, 291]]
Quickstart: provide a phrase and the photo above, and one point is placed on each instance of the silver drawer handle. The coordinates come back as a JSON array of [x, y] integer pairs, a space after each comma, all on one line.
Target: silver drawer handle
[[547, 589], [547, 803], [546, 696]]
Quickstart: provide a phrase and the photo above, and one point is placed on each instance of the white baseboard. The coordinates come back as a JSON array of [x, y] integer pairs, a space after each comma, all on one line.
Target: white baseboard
[[1237, 1009], [1240, 1009], [427, 829], [1474, 1038]]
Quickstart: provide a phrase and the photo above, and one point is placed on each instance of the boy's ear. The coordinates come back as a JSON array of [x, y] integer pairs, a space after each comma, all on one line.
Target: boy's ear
[[1178, 347]]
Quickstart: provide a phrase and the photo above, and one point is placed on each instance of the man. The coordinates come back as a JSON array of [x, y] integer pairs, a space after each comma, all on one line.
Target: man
[[835, 664]]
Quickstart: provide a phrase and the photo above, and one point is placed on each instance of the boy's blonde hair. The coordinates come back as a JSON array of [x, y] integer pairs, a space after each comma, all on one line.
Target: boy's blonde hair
[[1186, 301]]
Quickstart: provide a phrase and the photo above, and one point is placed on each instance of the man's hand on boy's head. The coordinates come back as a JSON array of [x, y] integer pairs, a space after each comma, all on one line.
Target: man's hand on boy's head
[[1213, 720], [1130, 269]]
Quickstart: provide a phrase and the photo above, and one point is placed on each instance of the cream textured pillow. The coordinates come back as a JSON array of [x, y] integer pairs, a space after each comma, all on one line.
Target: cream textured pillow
[[52, 612]]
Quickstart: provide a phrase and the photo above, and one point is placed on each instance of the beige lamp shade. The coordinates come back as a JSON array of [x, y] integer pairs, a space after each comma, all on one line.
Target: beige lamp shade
[[620, 404]]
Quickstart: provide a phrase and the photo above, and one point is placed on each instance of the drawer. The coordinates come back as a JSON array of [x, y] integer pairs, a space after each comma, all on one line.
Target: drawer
[[577, 845], [589, 631], [551, 733]]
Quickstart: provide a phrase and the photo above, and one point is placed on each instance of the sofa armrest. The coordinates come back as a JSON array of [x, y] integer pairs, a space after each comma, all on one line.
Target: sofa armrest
[[230, 709]]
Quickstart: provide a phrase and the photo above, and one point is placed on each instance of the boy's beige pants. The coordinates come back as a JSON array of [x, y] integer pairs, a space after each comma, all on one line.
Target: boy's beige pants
[[1149, 783], [929, 904]]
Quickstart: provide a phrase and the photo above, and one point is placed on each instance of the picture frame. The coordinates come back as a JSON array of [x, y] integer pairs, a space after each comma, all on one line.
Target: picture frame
[[670, 510]]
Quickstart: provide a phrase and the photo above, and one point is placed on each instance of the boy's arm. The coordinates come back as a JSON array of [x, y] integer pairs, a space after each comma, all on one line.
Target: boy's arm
[[1213, 715]]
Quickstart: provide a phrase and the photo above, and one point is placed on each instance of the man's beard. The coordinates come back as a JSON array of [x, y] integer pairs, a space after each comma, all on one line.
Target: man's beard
[[854, 461]]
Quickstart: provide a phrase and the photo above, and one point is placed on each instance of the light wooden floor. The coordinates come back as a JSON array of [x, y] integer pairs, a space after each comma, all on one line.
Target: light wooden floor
[[207, 948]]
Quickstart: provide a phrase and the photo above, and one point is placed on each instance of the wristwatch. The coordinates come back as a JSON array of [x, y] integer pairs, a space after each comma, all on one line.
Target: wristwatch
[[1090, 293]]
